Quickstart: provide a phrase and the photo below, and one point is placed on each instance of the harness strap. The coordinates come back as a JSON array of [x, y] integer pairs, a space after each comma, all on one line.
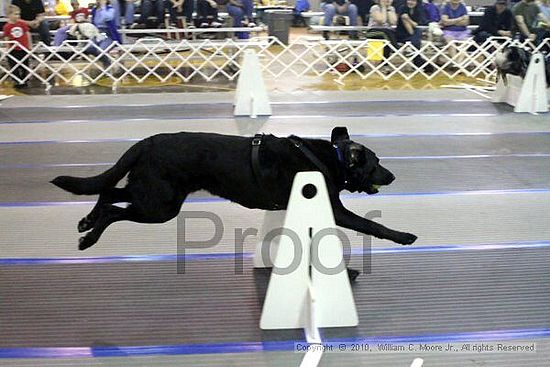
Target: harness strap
[[299, 143], [256, 143]]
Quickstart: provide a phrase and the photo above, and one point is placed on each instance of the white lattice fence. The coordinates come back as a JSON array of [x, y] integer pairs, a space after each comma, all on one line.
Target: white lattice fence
[[212, 59]]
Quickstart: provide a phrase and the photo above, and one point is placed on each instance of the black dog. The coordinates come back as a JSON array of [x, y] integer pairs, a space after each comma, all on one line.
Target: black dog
[[514, 60], [163, 169]]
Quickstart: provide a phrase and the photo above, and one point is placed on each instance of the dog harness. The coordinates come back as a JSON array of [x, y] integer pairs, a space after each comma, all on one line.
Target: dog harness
[[298, 143]]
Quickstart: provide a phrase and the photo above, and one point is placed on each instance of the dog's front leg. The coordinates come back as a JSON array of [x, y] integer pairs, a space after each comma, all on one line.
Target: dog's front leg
[[347, 219]]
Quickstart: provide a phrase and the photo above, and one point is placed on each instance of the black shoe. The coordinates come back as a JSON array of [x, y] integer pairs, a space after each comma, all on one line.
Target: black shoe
[[326, 35]]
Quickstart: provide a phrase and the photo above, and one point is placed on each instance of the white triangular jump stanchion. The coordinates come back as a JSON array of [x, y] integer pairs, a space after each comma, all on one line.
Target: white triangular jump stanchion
[[302, 293], [251, 95], [528, 94]]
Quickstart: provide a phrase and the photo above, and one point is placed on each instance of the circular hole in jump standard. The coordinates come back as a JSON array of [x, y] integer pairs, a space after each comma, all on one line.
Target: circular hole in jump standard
[[309, 191]]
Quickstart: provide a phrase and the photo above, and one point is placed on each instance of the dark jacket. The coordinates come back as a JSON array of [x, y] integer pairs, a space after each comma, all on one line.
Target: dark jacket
[[493, 22]]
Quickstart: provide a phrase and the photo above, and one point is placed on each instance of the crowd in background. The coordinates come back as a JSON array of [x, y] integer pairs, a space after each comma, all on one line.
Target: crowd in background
[[397, 21]]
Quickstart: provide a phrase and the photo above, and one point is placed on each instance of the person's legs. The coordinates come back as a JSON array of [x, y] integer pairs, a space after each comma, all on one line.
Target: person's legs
[[44, 32], [330, 12], [352, 14], [146, 10], [188, 8], [202, 11], [159, 12], [237, 14], [248, 8], [116, 8], [129, 13], [172, 11]]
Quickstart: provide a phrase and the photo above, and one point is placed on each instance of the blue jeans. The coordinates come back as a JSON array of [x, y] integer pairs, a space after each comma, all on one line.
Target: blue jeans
[[330, 12], [128, 11], [187, 11], [238, 14], [43, 31], [150, 6]]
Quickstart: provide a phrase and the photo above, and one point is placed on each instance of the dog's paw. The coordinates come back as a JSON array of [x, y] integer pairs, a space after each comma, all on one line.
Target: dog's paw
[[84, 225], [85, 242], [353, 274], [406, 239]]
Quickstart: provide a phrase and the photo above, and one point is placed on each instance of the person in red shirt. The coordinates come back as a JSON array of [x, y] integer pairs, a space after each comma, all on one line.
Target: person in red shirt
[[18, 57], [79, 14]]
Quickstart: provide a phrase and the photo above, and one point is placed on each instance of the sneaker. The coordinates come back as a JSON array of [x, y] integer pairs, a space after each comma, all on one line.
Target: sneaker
[[204, 25], [326, 35], [191, 26], [216, 24], [251, 25]]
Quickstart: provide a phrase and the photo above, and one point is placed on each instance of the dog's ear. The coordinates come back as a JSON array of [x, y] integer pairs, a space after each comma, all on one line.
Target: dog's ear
[[339, 134]]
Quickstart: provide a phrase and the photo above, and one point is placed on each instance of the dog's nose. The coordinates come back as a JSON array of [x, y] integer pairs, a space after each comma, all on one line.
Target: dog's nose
[[392, 178]]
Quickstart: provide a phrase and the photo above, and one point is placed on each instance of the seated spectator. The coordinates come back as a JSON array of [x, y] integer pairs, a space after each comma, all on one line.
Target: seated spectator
[[363, 9], [207, 12], [103, 17], [411, 15], [497, 21], [241, 12], [78, 15], [454, 21], [33, 13], [124, 8], [341, 7], [530, 21], [432, 11], [61, 8], [300, 7], [150, 8], [178, 8], [382, 19]]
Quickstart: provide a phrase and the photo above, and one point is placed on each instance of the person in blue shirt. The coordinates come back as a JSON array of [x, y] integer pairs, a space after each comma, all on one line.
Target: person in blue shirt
[[103, 17]]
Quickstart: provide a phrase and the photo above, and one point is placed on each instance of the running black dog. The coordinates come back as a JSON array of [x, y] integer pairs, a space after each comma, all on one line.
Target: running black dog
[[254, 172]]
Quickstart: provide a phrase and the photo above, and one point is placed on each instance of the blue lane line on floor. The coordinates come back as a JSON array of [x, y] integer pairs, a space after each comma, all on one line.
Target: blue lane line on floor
[[312, 136], [248, 255], [395, 158], [370, 101], [122, 120], [213, 199], [266, 346]]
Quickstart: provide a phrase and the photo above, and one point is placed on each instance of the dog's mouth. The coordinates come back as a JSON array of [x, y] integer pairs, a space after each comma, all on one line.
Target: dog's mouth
[[372, 189]]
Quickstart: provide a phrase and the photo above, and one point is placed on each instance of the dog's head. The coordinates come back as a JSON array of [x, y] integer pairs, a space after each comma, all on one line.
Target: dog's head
[[363, 170]]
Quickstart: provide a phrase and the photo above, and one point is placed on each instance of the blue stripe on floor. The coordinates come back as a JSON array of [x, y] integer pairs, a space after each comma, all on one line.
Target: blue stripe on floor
[[266, 346], [312, 136], [248, 255]]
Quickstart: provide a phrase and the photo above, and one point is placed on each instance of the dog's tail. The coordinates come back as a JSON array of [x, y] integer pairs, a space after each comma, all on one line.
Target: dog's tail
[[96, 184]]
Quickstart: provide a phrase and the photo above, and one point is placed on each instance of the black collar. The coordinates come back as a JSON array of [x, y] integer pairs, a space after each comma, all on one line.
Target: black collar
[[341, 165]]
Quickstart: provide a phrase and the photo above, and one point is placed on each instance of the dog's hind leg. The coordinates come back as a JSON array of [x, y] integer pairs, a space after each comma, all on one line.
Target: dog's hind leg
[[109, 214], [110, 196]]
